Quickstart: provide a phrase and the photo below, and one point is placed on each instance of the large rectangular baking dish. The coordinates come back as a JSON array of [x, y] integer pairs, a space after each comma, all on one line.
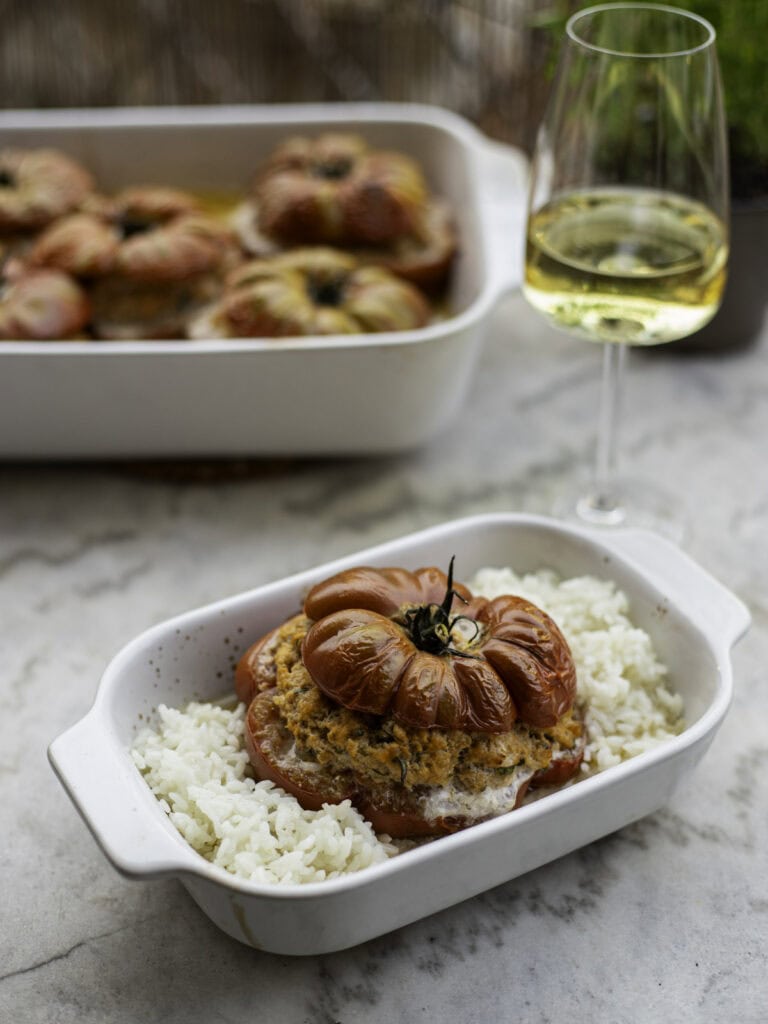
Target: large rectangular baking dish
[[336, 395], [692, 619]]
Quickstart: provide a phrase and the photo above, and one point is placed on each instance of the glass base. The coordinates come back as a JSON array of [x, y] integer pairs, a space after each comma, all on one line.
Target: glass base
[[631, 503]]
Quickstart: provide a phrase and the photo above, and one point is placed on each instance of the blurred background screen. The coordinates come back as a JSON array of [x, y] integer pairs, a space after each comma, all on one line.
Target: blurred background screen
[[485, 59]]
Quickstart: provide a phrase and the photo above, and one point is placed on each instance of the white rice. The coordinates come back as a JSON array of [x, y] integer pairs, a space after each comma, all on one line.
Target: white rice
[[628, 708], [195, 763], [196, 766]]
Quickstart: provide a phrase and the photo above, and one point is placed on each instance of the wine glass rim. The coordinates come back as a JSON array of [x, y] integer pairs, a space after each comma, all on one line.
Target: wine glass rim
[[573, 35]]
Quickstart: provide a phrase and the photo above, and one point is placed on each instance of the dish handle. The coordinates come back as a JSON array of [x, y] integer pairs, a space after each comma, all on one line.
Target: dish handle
[[110, 796], [710, 604], [503, 197]]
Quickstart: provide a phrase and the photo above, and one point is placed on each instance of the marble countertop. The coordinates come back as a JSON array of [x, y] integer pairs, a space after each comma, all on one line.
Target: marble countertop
[[664, 920]]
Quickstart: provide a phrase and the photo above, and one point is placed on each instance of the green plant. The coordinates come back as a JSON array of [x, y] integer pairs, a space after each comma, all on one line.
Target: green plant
[[742, 47]]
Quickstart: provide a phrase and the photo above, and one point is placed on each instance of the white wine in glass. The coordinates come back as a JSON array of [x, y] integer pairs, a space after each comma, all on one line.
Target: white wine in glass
[[627, 240]]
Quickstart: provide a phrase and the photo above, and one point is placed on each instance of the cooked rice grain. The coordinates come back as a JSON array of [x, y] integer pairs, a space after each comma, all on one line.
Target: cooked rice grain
[[198, 769]]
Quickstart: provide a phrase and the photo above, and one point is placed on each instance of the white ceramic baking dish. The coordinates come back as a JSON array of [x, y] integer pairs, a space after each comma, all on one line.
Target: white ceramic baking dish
[[693, 620], [336, 395]]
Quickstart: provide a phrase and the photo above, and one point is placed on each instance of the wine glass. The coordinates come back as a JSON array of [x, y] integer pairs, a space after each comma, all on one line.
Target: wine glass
[[627, 241]]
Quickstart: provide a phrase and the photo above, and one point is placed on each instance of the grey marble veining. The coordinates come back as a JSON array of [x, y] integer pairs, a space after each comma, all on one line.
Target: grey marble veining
[[665, 920]]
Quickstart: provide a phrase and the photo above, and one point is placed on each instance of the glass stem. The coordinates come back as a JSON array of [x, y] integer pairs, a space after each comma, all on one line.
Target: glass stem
[[605, 498]]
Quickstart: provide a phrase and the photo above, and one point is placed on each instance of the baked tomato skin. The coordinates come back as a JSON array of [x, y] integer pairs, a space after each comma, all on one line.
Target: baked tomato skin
[[269, 746], [404, 820], [382, 644], [384, 591], [562, 767], [391, 810], [367, 663], [532, 657], [256, 670]]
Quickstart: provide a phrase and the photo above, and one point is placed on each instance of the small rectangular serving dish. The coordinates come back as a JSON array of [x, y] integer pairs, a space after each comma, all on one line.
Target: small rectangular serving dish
[[692, 619], [326, 396]]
